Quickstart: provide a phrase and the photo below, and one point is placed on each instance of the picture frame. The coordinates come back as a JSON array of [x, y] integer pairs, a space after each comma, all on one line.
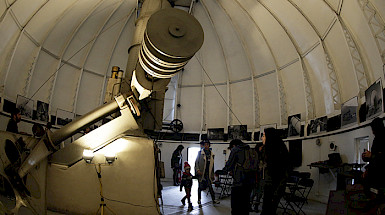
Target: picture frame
[[64, 117], [294, 125], [25, 105], [349, 112], [374, 100]]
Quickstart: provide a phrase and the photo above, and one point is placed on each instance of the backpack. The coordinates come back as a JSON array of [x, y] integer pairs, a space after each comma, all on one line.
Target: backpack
[[251, 161]]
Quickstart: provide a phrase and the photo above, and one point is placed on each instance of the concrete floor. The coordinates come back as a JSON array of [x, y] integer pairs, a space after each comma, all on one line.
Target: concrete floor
[[172, 204]]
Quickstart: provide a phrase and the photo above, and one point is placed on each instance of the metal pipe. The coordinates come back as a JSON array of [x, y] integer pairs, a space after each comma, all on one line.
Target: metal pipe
[[84, 121]]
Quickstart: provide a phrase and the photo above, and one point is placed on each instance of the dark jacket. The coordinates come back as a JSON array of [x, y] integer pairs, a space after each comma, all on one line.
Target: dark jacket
[[234, 165], [12, 126], [276, 158], [375, 168], [176, 159]]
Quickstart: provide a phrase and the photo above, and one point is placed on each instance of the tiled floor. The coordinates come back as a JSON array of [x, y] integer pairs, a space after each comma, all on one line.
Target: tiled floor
[[172, 204]]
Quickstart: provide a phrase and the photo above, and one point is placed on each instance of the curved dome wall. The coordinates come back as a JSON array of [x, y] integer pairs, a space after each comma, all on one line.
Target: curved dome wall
[[261, 61]]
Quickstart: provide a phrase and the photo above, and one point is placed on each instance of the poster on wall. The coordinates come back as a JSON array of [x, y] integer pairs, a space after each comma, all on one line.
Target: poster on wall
[[349, 112], [42, 111], [215, 133], [373, 99], [63, 117], [237, 132], [25, 105], [294, 125], [263, 127], [317, 125]]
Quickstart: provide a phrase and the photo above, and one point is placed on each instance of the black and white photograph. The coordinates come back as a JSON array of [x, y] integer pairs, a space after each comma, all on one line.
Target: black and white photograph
[[263, 127], [294, 125], [373, 98], [215, 133], [317, 125], [349, 112], [42, 111], [237, 132], [25, 105], [63, 117]]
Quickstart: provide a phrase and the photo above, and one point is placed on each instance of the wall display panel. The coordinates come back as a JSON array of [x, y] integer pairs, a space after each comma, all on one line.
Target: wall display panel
[[191, 108], [65, 88], [242, 99], [320, 82], [276, 37], [215, 133], [237, 132], [42, 111], [294, 125], [374, 100], [42, 77], [18, 75], [232, 46], [295, 23], [339, 52], [349, 112], [25, 105], [317, 125], [292, 78], [216, 115], [268, 94], [90, 89]]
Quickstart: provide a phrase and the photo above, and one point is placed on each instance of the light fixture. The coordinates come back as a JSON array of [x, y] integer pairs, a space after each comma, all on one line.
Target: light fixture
[[88, 155], [110, 157]]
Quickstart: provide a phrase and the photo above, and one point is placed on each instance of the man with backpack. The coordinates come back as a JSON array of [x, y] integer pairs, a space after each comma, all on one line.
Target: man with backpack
[[242, 165]]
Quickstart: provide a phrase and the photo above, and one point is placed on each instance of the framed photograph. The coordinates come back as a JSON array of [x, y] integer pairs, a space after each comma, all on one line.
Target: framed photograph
[[263, 127], [42, 111], [373, 99], [215, 133], [25, 105], [318, 125], [63, 117], [237, 132], [349, 112], [294, 125]]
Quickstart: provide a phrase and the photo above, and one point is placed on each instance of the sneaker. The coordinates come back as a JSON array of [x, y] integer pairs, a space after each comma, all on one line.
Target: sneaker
[[216, 202], [183, 201], [190, 207]]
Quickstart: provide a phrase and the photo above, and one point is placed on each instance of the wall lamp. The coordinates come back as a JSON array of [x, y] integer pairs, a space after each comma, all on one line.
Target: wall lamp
[[88, 155]]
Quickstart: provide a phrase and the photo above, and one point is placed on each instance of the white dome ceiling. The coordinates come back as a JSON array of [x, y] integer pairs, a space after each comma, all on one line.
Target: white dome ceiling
[[261, 61]]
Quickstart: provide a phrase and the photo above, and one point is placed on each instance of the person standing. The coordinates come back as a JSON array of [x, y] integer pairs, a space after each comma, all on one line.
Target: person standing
[[374, 175], [176, 164], [12, 123], [242, 180], [276, 159], [204, 170]]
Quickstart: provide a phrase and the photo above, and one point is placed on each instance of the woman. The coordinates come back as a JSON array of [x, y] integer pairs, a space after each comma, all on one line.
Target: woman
[[276, 158]]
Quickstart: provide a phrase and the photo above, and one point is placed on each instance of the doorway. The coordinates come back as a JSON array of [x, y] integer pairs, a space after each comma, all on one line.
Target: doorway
[[192, 153]]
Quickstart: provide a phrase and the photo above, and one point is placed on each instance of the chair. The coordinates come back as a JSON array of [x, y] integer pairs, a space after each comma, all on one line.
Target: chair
[[298, 196], [224, 183]]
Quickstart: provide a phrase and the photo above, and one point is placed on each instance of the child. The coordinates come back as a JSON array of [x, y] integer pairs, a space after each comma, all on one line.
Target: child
[[186, 182]]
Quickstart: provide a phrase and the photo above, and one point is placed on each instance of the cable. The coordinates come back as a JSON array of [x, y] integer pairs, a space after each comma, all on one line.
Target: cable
[[217, 90]]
